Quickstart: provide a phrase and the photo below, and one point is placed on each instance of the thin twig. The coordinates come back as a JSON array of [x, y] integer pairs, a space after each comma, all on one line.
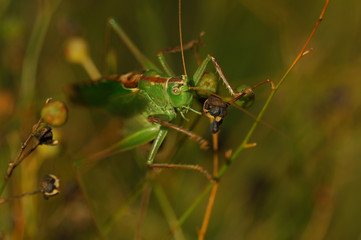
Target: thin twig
[[168, 210], [143, 209], [87, 201], [19, 196], [212, 196], [20, 157]]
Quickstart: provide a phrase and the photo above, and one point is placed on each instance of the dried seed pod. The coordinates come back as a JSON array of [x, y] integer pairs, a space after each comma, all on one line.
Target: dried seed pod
[[45, 136], [49, 186]]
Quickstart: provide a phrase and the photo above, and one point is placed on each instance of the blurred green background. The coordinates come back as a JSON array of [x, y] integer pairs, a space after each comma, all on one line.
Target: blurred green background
[[304, 186]]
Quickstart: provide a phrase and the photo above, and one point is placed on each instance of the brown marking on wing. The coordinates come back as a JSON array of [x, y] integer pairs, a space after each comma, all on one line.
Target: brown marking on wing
[[156, 79], [129, 80]]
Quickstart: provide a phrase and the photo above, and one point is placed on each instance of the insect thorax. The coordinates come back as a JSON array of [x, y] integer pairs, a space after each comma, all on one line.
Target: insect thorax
[[164, 94]]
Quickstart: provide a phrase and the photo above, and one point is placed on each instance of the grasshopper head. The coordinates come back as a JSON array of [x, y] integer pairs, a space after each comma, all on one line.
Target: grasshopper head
[[179, 94]]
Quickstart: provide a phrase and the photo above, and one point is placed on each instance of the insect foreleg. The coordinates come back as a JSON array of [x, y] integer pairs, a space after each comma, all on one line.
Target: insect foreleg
[[201, 69], [202, 142]]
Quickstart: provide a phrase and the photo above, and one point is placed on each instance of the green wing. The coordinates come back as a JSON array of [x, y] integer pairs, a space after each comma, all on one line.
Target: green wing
[[110, 95]]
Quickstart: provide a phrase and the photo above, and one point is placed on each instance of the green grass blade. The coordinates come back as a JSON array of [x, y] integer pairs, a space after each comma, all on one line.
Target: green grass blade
[[143, 60]]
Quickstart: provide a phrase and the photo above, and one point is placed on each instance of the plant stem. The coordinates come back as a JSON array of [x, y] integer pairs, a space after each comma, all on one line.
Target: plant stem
[[87, 201], [19, 196], [212, 196], [168, 210], [143, 209], [109, 224], [31, 58], [191, 208], [21, 156]]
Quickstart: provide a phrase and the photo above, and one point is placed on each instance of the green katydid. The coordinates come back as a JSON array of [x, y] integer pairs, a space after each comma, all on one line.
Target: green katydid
[[158, 97]]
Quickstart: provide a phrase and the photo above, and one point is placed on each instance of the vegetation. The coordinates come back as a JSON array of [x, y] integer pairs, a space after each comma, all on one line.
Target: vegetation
[[300, 181]]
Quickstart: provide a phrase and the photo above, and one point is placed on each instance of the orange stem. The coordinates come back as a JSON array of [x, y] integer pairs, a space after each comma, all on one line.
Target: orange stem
[[212, 196]]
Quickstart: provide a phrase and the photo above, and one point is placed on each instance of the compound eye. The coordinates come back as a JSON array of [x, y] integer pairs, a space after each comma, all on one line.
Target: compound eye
[[175, 90]]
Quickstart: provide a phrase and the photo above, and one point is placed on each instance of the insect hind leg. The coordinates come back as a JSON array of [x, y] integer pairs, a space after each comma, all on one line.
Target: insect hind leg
[[197, 168], [159, 140]]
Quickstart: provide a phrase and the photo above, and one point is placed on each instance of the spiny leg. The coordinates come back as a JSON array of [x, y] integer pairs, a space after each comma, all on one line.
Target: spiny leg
[[160, 138], [187, 46], [197, 168], [202, 142], [201, 69], [190, 45]]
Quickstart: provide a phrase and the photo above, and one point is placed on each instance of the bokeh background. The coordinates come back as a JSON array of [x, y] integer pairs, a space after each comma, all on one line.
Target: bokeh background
[[303, 183]]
